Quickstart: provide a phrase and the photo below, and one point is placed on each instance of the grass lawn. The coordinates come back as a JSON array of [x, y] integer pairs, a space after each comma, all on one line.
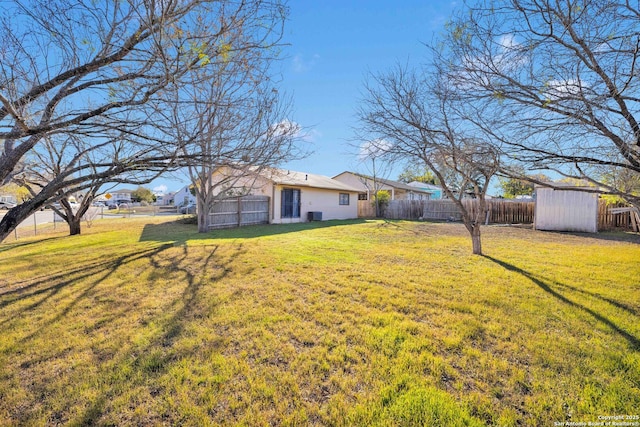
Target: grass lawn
[[334, 323]]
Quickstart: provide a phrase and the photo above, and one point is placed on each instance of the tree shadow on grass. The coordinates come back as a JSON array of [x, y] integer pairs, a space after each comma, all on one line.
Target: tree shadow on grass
[[620, 305], [104, 270], [4, 247], [53, 283], [611, 236], [144, 361], [180, 233], [153, 359], [633, 341]]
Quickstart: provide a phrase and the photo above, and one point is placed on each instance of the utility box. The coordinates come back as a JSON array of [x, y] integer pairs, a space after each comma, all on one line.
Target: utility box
[[314, 216]]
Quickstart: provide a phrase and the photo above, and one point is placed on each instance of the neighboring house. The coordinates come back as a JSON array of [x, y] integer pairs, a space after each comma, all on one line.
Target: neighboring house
[[100, 198], [183, 197], [296, 196], [568, 209], [120, 196], [163, 199], [367, 186], [437, 193], [8, 198]]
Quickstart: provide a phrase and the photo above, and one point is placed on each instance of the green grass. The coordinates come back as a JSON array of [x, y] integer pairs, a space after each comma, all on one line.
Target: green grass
[[332, 323]]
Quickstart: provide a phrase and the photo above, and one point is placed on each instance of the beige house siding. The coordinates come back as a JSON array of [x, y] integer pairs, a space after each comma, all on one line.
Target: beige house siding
[[312, 198]]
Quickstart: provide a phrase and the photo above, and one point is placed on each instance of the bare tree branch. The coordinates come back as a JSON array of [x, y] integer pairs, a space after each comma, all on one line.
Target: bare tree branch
[[555, 84]]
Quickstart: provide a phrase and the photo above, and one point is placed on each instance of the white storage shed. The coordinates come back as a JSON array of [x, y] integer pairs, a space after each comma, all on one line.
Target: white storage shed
[[569, 208]]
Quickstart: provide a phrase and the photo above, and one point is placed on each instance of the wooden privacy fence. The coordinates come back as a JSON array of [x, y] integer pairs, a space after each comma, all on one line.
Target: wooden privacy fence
[[617, 215], [405, 209], [444, 210], [366, 209], [501, 211], [508, 211], [504, 211], [239, 211]]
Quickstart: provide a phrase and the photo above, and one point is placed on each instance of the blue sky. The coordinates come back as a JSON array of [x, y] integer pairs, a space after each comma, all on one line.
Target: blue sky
[[331, 46]]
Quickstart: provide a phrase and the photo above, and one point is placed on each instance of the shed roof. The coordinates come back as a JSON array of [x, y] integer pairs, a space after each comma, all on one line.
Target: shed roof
[[425, 186]]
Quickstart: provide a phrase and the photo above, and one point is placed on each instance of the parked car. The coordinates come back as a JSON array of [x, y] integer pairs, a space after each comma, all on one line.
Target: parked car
[[58, 205], [7, 205], [188, 209]]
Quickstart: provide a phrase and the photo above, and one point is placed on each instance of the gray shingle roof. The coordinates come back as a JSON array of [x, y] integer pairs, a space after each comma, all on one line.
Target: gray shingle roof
[[390, 183], [303, 179]]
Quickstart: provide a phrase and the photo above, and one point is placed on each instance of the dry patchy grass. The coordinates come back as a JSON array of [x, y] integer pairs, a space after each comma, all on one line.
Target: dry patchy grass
[[336, 323]]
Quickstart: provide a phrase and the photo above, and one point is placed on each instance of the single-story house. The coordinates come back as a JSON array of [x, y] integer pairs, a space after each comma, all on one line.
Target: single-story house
[[164, 199], [367, 186], [120, 196], [437, 193], [566, 208], [183, 197], [294, 196]]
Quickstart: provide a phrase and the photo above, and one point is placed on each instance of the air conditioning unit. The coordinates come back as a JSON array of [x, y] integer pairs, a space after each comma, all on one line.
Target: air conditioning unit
[[314, 216]]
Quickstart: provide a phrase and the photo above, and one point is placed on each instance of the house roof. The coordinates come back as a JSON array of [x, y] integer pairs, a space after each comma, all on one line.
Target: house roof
[[303, 179], [425, 186], [388, 182]]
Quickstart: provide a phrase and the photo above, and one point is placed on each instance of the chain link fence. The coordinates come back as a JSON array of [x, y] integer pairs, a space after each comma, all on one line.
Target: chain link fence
[[47, 220]]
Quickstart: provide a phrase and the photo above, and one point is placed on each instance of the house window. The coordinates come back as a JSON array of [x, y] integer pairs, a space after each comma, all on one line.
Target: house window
[[290, 207], [363, 196], [344, 198]]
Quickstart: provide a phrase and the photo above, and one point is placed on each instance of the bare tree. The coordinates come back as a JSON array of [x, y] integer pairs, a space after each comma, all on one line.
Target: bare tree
[[230, 117], [377, 172], [414, 113], [61, 166], [555, 83], [230, 132], [100, 72]]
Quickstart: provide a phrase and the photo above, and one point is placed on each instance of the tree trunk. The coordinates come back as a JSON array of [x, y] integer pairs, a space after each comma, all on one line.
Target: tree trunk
[[203, 225], [475, 239], [203, 215], [10, 221], [74, 226], [72, 218], [472, 224]]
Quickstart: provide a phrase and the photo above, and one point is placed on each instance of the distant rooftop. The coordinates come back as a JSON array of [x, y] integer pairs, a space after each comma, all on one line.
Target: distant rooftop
[[389, 182]]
